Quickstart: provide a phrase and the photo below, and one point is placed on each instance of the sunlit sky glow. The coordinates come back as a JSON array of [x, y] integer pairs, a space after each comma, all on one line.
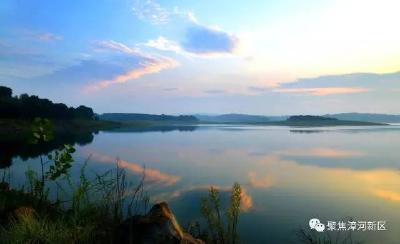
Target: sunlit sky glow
[[154, 56]]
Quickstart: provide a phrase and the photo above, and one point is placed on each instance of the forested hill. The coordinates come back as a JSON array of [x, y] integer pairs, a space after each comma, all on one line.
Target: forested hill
[[368, 117], [232, 118], [126, 117], [29, 107]]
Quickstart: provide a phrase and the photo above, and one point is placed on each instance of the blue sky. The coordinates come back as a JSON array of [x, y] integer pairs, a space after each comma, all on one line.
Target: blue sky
[[261, 57]]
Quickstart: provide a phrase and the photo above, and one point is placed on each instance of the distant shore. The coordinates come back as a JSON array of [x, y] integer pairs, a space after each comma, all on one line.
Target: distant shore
[[11, 128]]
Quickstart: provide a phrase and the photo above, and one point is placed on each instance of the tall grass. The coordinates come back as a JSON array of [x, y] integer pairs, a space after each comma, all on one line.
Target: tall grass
[[219, 229], [88, 212], [84, 211]]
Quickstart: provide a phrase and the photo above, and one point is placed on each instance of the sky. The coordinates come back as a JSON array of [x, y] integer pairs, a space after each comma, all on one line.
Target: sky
[[184, 57]]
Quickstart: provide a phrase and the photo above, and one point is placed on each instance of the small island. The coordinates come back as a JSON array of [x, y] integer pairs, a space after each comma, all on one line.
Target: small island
[[310, 120]]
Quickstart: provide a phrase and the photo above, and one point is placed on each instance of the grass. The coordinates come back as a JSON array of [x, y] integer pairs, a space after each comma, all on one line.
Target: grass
[[307, 236], [221, 223], [89, 214]]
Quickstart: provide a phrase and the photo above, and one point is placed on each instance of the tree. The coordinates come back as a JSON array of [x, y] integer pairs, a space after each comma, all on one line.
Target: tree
[[5, 92], [30, 107], [83, 112]]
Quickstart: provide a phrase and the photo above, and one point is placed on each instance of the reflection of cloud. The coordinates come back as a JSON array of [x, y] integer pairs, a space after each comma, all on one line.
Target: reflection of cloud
[[152, 175], [262, 182], [382, 183], [387, 195], [246, 202], [322, 152], [324, 91]]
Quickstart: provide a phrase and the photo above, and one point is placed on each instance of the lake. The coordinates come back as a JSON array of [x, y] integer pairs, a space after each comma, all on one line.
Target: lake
[[288, 175]]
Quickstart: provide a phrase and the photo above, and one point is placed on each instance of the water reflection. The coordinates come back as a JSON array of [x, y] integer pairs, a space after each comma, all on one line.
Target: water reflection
[[169, 128], [287, 177], [151, 175], [21, 147]]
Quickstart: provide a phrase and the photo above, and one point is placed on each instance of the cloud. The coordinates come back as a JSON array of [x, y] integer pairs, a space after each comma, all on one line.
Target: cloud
[[206, 44], [42, 36], [170, 89], [199, 40], [21, 56], [111, 45], [215, 91], [162, 43], [324, 91], [47, 37], [149, 66], [203, 40], [151, 11], [146, 64], [20, 62], [86, 71], [258, 89]]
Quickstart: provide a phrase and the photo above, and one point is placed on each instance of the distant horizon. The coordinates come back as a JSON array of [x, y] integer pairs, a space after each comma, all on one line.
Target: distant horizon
[[266, 115], [214, 114]]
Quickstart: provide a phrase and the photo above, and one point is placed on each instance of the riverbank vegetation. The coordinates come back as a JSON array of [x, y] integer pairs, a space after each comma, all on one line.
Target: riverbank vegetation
[[84, 211], [89, 209]]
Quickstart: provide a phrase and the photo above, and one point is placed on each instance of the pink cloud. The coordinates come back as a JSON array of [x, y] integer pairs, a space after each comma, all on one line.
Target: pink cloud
[[149, 64], [145, 68], [324, 91], [111, 45]]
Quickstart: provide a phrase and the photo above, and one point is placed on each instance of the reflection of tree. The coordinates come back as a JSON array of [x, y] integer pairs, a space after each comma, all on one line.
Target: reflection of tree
[[157, 128], [21, 146]]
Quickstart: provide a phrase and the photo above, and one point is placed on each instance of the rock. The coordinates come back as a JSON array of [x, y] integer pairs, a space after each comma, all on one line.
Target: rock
[[158, 226]]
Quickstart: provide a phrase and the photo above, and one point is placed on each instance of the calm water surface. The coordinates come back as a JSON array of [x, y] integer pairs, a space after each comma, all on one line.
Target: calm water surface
[[289, 175]]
